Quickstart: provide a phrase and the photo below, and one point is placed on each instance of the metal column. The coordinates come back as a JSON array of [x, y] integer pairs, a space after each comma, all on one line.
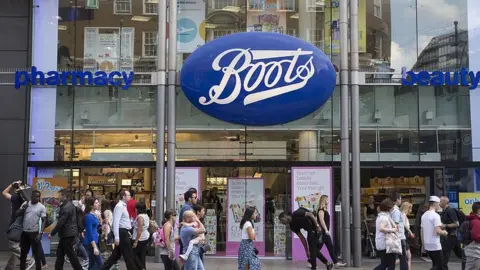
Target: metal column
[[172, 81], [345, 155], [354, 67], [160, 117]]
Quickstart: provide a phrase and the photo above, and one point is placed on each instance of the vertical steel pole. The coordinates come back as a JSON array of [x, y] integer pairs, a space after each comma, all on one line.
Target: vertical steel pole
[[172, 81], [345, 155], [160, 117], [354, 67]]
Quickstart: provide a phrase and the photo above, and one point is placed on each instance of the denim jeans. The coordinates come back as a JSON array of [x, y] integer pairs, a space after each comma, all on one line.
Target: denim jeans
[[94, 261], [194, 262]]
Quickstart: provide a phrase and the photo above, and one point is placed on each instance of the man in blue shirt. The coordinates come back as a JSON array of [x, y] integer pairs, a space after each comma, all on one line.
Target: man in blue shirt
[[190, 199], [397, 218], [188, 233]]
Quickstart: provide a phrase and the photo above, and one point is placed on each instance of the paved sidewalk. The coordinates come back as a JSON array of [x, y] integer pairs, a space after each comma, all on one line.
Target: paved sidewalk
[[213, 263]]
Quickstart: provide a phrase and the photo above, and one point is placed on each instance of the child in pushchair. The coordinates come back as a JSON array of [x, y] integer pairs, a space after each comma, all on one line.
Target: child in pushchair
[[369, 230]]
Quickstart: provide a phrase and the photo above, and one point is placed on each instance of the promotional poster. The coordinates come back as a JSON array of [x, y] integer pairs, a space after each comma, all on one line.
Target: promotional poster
[[242, 193], [308, 185]]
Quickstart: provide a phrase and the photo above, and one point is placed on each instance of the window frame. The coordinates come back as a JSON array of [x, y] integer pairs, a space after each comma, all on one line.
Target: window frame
[[115, 12], [144, 8], [377, 4], [144, 34], [312, 41]]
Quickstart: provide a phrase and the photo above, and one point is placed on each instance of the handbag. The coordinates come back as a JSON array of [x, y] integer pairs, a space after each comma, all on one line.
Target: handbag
[[15, 230], [392, 241]]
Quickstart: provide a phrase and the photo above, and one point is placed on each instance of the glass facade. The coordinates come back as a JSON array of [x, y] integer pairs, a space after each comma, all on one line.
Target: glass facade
[[410, 124], [398, 123]]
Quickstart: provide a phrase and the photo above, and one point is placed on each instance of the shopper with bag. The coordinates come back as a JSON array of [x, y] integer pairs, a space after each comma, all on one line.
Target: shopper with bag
[[14, 232], [164, 238], [431, 232], [387, 242]]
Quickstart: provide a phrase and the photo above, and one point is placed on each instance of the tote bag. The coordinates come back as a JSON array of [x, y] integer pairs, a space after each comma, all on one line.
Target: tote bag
[[392, 240]]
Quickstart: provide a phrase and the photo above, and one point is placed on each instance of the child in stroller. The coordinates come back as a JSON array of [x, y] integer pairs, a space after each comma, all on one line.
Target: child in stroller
[[370, 249]]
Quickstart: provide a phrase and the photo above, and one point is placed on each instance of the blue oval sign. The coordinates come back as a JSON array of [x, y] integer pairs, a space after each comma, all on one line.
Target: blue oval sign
[[257, 78]]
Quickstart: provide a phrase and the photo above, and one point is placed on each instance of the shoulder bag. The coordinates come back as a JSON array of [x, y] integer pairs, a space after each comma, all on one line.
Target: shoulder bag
[[392, 240]]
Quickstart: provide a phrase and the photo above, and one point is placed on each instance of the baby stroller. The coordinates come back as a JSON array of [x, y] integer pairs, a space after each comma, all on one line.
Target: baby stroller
[[370, 250]]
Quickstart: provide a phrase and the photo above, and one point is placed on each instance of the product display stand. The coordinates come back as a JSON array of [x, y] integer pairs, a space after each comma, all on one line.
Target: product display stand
[[211, 228], [279, 237]]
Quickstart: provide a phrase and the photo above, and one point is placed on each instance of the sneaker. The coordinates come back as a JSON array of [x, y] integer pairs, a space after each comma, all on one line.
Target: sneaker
[[67, 260], [339, 264], [45, 266], [84, 263], [183, 257], [30, 264], [330, 265]]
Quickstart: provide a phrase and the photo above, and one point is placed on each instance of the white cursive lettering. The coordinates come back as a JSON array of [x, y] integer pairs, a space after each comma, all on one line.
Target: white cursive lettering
[[268, 73]]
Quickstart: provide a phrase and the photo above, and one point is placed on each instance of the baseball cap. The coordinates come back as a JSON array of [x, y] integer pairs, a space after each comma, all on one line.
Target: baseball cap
[[434, 199]]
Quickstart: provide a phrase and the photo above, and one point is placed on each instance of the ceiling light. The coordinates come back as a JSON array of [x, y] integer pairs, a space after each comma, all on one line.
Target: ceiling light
[[294, 16], [231, 9], [211, 25], [62, 27], [140, 18]]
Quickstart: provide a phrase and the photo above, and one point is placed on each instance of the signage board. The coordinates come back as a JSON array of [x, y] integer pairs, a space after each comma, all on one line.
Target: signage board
[[440, 78], [274, 80], [87, 78]]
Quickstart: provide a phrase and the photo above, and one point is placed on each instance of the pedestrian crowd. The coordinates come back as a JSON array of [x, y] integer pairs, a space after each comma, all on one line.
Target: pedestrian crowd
[[90, 235], [441, 230], [94, 234]]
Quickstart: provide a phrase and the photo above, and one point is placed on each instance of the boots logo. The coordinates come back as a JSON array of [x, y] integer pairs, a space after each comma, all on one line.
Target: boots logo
[[258, 78]]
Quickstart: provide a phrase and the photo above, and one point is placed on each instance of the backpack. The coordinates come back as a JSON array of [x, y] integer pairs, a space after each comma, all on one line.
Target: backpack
[[79, 219], [159, 238], [464, 233], [460, 216]]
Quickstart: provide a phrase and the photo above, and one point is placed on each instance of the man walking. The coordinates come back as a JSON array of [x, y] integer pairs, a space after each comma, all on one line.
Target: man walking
[[191, 198], [33, 213], [16, 200], [431, 232], [123, 238], [396, 216], [472, 250], [67, 230], [450, 223], [303, 219], [187, 234]]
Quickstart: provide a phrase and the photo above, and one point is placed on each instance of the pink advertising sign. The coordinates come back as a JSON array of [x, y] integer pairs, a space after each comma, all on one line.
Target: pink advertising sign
[[308, 184], [242, 192]]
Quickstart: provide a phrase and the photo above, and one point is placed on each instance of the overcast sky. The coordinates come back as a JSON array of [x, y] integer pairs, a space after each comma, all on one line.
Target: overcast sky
[[435, 17]]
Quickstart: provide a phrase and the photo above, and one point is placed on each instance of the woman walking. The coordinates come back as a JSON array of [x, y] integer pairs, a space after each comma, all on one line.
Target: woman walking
[[406, 209], [107, 232], [385, 225], [323, 218], [247, 257], [140, 233], [90, 242], [167, 253]]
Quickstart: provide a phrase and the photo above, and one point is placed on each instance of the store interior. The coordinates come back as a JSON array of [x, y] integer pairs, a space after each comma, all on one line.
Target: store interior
[[413, 184]]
